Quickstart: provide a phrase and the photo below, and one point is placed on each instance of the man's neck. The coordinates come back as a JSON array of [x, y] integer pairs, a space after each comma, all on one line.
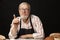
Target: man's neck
[[26, 20]]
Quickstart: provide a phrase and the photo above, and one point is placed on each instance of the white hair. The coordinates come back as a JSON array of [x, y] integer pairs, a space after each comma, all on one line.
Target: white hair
[[24, 3]]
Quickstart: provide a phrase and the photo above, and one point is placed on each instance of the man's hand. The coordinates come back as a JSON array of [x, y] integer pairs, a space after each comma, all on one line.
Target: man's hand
[[26, 36], [15, 20]]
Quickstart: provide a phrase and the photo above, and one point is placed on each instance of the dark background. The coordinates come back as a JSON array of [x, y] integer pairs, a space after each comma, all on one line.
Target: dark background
[[45, 9]]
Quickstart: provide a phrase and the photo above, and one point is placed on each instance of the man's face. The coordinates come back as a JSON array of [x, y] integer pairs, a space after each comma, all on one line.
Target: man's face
[[24, 10]]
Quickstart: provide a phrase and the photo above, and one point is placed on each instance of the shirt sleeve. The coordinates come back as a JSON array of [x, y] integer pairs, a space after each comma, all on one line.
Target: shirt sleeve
[[11, 34], [38, 28]]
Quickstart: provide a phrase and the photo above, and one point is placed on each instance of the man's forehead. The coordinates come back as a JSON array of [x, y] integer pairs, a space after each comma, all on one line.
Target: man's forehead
[[24, 6]]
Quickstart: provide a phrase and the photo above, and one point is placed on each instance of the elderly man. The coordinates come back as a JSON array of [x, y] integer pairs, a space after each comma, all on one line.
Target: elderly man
[[27, 25]]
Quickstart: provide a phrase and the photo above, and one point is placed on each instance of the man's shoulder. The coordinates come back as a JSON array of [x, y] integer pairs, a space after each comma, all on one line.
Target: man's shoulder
[[18, 17], [34, 16]]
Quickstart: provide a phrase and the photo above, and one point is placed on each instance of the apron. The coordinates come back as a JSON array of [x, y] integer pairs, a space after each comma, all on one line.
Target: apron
[[23, 31]]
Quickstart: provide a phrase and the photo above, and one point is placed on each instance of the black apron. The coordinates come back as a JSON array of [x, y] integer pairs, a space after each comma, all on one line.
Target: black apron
[[25, 31]]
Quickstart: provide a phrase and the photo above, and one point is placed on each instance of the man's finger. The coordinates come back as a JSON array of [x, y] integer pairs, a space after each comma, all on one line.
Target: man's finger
[[14, 16]]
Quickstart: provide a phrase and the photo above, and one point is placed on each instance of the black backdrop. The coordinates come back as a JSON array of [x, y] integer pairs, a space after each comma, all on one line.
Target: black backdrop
[[45, 9]]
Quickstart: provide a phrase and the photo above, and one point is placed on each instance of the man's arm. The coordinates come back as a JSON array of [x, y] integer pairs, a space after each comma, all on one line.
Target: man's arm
[[13, 31], [14, 27], [38, 27], [26, 36]]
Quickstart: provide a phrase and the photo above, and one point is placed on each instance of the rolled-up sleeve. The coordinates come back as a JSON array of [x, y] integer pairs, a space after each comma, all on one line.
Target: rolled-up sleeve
[[11, 34], [38, 27]]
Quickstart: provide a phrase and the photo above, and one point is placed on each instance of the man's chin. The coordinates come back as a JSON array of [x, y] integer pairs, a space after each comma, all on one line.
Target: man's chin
[[24, 17]]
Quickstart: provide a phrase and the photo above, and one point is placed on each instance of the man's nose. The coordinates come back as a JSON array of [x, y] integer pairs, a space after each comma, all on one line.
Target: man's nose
[[24, 11]]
